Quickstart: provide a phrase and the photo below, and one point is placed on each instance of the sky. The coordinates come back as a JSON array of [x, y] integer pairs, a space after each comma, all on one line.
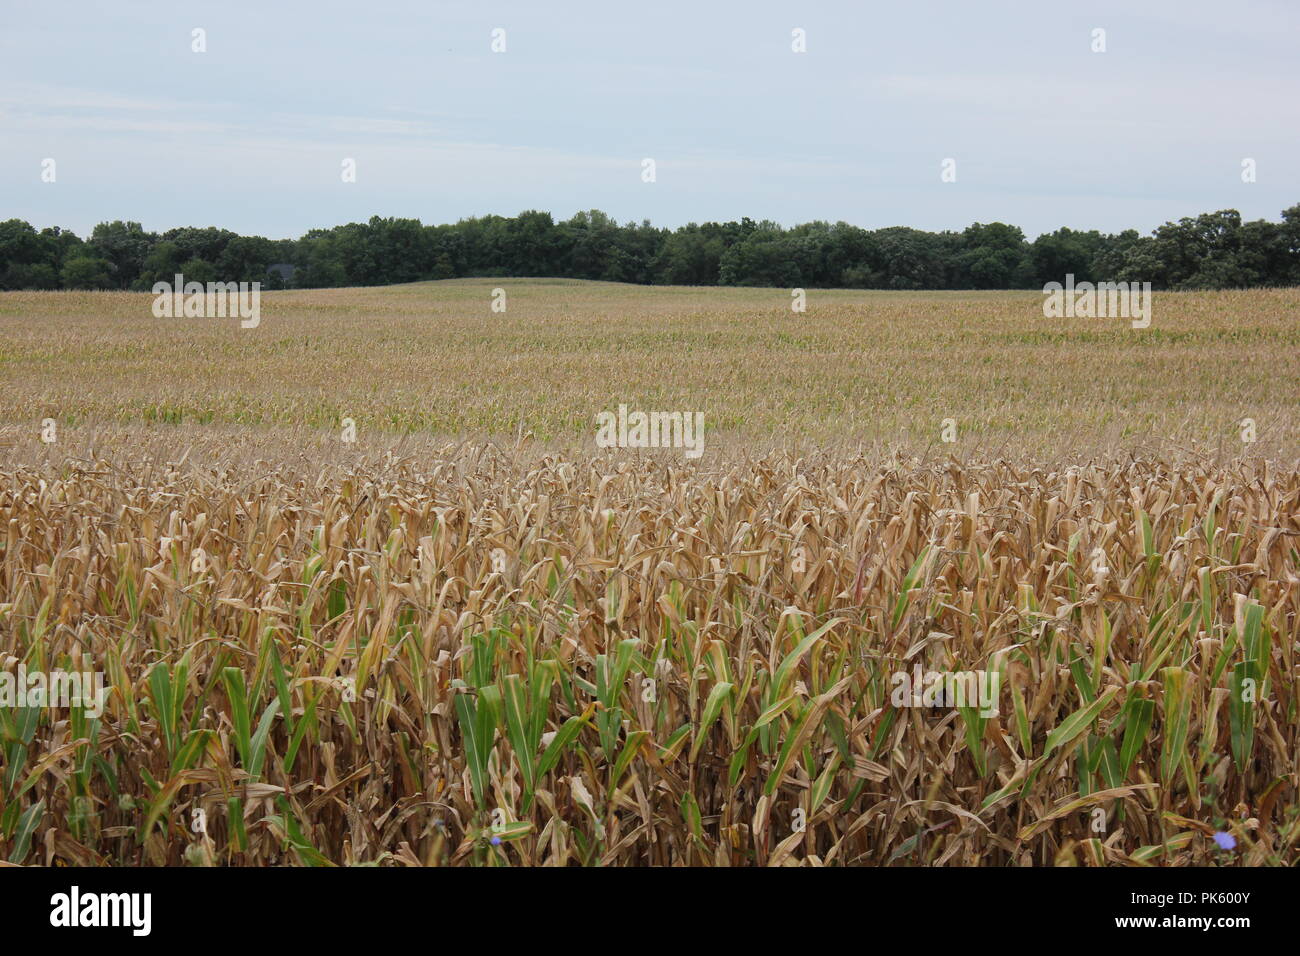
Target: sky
[[252, 133]]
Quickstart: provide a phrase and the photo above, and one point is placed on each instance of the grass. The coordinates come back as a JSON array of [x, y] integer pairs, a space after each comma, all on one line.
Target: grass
[[512, 649], [859, 369]]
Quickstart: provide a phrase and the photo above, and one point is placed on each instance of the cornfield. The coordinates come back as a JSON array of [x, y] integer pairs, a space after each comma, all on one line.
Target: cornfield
[[482, 655], [874, 370]]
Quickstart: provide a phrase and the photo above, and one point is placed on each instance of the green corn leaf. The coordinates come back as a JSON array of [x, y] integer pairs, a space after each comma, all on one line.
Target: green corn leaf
[[258, 744], [791, 660], [1108, 763], [712, 708], [1177, 717], [234, 680], [635, 741], [822, 785], [1241, 713], [307, 854], [776, 710], [514, 706], [1022, 722], [1137, 721], [160, 690], [793, 734], [27, 825], [477, 726], [974, 725], [1076, 723], [559, 744]]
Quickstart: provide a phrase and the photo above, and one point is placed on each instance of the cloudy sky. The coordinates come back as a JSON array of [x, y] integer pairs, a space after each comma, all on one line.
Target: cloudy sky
[[251, 135]]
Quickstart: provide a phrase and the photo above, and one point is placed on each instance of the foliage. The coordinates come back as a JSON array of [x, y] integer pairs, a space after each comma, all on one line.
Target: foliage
[[1211, 251], [675, 666]]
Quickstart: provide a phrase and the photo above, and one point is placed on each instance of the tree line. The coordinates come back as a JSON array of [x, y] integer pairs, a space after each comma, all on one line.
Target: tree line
[[1210, 251]]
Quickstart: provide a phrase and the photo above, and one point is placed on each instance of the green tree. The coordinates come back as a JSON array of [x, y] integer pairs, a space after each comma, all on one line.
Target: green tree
[[199, 270], [84, 272], [1054, 255], [19, 243], [245, 258], [125, 245], [995, 256], [35, 275]]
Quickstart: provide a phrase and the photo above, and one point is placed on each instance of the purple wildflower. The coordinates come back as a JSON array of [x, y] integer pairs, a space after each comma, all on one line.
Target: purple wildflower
[[1225, 840]]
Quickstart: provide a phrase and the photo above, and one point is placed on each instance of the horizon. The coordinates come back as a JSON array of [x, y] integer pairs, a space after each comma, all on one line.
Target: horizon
[[558, 220]]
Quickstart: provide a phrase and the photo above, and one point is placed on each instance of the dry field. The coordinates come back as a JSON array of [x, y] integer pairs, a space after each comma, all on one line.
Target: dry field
[[473, 638], [863, 369]]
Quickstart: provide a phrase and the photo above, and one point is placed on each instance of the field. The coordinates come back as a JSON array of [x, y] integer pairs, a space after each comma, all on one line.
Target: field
[[473, 637], [879, 371]]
